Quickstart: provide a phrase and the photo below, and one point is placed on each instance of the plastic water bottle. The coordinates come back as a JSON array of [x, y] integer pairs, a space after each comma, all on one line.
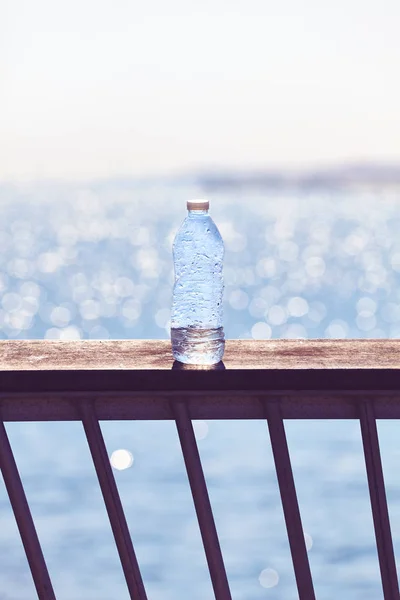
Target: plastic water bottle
[[197, 333]]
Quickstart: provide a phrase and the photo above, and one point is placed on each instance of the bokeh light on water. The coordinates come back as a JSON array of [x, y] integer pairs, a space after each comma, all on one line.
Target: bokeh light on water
[[200, 430], [121, 459], [308, 540], [268, 578], [95, 261]]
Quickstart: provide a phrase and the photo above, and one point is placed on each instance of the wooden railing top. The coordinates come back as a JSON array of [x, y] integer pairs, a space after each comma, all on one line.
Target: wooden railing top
[[155, 355], [147, 366]]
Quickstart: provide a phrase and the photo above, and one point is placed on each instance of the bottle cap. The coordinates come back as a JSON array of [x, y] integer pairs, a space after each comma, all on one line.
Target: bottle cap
[[198, 205]]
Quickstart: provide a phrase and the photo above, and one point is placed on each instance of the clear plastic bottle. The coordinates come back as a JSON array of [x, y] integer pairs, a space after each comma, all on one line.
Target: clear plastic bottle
[[197, 333]]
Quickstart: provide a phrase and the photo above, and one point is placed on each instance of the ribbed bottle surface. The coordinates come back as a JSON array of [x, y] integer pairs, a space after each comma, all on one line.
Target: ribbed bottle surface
[[197, 334]]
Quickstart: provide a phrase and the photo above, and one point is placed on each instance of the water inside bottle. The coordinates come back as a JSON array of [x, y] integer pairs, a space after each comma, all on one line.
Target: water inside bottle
[[202, 346]]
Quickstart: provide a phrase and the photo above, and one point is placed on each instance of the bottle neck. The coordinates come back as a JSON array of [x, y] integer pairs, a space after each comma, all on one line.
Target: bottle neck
[[193, 214]]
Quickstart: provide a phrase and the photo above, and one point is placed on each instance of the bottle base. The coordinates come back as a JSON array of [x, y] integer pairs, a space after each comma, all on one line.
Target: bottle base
[[193, 346]]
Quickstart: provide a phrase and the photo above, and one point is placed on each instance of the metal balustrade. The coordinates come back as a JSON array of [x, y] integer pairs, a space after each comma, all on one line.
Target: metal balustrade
[[89, 381]]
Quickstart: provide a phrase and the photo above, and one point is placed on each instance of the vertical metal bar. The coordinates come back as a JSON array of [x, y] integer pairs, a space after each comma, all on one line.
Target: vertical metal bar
[[379, 506], [113, 503], [201, 501], [24, 519], [290, 504]]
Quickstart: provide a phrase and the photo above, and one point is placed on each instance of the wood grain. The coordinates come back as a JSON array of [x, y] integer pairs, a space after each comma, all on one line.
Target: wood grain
[[154, 355]]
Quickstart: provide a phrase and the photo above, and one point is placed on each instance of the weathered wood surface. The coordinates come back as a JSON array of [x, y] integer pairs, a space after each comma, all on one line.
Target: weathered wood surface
[[137, 379], [144, 355], [147, 365]]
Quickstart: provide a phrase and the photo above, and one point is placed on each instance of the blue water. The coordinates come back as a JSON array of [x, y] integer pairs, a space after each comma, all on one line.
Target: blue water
[[95, 261]]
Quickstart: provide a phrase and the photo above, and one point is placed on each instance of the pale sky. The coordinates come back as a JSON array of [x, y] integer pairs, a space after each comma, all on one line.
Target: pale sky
[[102, 88]]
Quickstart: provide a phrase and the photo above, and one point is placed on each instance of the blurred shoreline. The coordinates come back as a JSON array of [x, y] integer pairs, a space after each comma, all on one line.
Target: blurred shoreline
[[351, 175], [357, 176]]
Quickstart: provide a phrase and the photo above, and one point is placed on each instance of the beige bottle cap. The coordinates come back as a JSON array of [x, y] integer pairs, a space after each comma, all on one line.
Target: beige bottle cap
[[198, 205]]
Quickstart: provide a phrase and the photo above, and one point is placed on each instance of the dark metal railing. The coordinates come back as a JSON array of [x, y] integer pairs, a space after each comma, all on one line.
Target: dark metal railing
[[92, 381]]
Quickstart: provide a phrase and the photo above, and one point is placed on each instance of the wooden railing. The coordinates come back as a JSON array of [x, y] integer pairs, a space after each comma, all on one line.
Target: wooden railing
[[272, 380]]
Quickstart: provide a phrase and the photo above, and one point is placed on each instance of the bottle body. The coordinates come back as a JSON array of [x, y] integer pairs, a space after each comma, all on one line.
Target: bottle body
[[197, 314]]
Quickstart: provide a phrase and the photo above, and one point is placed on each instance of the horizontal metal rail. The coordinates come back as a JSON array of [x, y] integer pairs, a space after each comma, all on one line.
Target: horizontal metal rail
[[236, 404]]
